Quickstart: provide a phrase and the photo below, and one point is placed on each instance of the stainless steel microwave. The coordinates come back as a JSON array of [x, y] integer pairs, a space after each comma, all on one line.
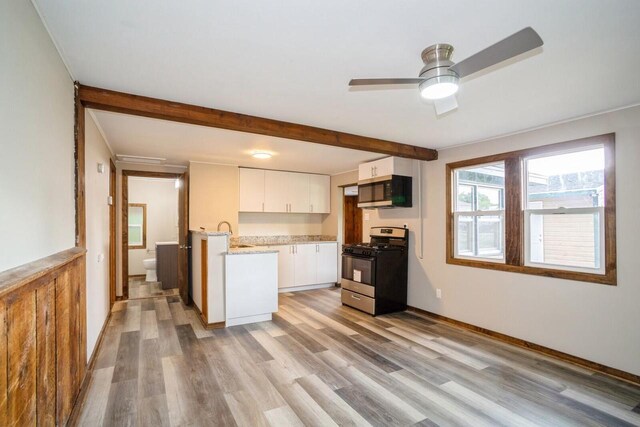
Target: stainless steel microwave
[[391, 191]]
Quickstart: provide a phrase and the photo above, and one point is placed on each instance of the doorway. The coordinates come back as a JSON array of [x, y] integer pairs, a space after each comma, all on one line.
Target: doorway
[[154, 235], [352, 216]]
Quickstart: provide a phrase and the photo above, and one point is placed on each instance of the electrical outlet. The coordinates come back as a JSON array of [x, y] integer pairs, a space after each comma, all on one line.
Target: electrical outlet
[[438, 293], [100, 257], [366, 216]]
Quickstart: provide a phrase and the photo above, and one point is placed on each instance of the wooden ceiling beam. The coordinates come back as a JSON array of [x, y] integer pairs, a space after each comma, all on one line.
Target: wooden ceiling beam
[[119, 102]]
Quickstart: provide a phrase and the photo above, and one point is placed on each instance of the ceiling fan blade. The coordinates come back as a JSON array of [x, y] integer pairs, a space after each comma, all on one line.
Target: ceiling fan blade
[[366, 82], [444, 105], [514, 45]]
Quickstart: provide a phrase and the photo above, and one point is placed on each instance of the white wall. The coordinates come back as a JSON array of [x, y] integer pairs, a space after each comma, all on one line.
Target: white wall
[[279, 224], [97, 208], [161, 198], [214, 195], [595, 322], [119, 168], [37, 207]]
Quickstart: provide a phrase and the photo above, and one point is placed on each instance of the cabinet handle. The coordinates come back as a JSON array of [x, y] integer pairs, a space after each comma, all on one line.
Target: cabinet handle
[[262, 206], [311, 207], [355, 297]]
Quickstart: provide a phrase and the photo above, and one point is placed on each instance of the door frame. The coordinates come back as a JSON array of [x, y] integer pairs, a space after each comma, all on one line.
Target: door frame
[[184, 219], [112, 233]]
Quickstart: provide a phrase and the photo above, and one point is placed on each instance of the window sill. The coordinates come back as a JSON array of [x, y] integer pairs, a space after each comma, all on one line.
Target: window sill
[[604, 279]]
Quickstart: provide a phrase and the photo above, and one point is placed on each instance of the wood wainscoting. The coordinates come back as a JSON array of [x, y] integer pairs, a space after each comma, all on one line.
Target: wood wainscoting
[[43, 345]]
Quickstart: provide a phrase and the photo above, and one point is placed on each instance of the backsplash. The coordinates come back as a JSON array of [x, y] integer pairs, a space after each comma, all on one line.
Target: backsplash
[[280, 240]]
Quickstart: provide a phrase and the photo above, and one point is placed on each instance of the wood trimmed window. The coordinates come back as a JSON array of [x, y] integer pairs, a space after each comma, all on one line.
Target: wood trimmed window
[[137, 219], [548, 211]]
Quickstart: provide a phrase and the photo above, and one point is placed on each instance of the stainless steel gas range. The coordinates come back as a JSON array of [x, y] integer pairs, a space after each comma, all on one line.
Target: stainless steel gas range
[[374, 274]]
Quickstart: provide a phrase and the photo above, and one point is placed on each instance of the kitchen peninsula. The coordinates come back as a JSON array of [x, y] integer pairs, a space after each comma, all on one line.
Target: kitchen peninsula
[[232, 285]]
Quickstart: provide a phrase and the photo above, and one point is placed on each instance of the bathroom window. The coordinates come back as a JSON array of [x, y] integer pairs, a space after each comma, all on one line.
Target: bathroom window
[[137, 226]]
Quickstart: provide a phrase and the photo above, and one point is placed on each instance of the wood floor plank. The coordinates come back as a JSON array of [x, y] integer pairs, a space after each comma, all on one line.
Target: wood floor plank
[[122, 406], [149, 325], [132, 318], [307, 409], [153, 411], [606, 407], [283, 416], [332, 403], [126, 366], [151, 379], [93, 411]]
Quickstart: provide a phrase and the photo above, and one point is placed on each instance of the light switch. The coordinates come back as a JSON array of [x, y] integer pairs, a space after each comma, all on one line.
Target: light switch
[[366, 216]]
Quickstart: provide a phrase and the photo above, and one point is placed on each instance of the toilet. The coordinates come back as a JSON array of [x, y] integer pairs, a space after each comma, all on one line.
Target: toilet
[[150, 266]]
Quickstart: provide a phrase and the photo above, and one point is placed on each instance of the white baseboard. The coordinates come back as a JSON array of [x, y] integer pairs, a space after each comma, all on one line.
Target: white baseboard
[[306, 287], [248, 319]]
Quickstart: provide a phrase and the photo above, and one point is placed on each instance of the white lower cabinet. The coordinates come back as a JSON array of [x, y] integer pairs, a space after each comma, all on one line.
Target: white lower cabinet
[[307, 264], [327, 263], [286, 265]]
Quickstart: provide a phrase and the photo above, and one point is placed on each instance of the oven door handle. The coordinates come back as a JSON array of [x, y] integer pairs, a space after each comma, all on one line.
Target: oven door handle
[[365, 258]]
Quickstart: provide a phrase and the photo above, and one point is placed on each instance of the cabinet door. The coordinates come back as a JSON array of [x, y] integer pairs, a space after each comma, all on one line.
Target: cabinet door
[[319, 193], [365, 171], [276, 191], [383, 167], [306, 264], [251, 190], [327, 262], [299, 192], [286, 265]]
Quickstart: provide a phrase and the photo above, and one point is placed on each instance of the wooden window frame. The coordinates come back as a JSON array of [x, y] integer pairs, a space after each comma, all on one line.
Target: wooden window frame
[[144, 225], [514, 213]]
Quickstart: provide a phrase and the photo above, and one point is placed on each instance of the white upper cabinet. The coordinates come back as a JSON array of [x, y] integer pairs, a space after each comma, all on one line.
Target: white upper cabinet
[[384, 167], [285, 192], [320, 193], [298, 192], [251, 190], [276, 191]]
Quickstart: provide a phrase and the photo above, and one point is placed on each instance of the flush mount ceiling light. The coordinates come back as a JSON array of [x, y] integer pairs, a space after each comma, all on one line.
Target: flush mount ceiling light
[[261, 155], [438, 79], [141, 159]]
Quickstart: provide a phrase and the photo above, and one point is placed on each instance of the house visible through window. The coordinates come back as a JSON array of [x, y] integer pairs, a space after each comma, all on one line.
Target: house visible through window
[[479, 211], [547, 210], [564, 212]]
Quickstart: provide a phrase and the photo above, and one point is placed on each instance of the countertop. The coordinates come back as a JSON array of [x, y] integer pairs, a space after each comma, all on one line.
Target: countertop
[[211, 233], [309, 242], [251, 251]]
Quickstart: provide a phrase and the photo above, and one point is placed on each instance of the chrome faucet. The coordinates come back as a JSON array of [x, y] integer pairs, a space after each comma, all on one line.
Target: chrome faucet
[[228, 224]]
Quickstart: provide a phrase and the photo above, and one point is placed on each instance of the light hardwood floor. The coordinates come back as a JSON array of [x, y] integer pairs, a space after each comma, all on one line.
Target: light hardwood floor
[[319, 363], [138, 288]]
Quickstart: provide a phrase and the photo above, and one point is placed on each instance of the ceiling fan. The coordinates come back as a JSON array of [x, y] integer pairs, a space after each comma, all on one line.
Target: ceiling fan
[[438, 79]]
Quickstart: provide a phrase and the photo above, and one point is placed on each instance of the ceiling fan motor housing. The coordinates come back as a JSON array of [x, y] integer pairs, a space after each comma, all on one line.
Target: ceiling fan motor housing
[[437, 60]]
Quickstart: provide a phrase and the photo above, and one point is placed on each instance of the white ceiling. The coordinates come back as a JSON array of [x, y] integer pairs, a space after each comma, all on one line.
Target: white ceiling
[[291, 60], [180, 143]]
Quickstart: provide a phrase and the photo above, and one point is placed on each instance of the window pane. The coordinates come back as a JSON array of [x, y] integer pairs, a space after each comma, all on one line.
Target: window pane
[[480, 188], [464, 201], [466, 235], [489, 198], [570, 240], [480, 236], [568, 180], [135, 215], [490, 236], [135, 235]]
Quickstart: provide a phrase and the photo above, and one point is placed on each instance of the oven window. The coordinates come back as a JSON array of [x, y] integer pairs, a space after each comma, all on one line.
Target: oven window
[[357, 269]]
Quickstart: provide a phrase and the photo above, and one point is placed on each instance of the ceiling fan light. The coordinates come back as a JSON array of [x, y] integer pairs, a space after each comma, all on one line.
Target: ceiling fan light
[[439, 87]]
